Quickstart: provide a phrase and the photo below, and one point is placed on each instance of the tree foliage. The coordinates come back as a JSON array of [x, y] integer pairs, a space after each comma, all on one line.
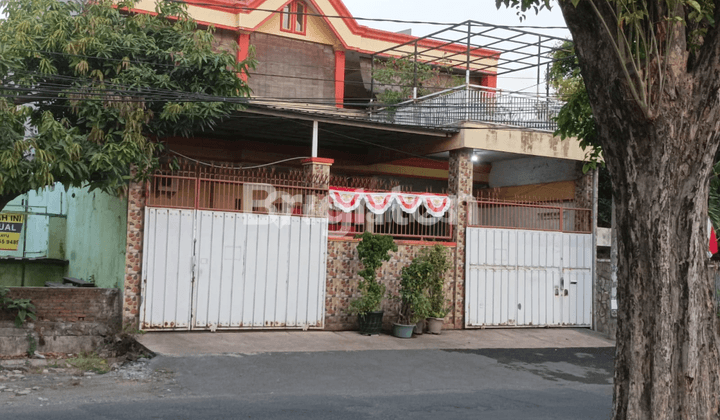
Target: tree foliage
[[88, 88], [396, 78]]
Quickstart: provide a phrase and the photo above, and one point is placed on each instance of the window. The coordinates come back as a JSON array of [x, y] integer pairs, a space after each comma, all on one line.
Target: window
[[294, 18], [286, 22]]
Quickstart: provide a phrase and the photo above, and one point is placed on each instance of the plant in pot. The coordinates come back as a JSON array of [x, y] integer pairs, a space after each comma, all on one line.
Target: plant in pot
[[414, 302], [437, 260], [372, 250]]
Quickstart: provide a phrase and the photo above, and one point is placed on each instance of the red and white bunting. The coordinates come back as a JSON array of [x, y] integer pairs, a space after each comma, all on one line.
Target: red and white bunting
[[346, 201], [409, 203], [379, 203], [437, 205]]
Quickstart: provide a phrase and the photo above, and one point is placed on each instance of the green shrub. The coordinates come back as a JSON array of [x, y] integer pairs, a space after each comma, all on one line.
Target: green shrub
[[373, 250]]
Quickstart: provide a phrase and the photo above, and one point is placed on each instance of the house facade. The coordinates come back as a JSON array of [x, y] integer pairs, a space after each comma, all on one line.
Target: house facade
[[252, 225]]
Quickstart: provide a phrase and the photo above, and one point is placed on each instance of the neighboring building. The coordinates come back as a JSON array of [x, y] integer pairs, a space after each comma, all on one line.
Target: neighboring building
[[73, 233]]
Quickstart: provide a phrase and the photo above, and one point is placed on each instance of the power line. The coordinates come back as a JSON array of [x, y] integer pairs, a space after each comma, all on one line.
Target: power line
[[416, 22]]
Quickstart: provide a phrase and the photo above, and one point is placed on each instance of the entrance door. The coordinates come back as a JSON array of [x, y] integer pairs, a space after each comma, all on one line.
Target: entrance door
[[527, 278]]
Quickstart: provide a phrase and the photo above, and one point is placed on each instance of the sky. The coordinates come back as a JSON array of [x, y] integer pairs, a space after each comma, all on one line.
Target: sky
[[455, 11]]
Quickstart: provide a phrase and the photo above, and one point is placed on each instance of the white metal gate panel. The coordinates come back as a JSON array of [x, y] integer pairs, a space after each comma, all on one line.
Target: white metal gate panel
[[527, 278], [219, 270], [167, 269], [260, 271]]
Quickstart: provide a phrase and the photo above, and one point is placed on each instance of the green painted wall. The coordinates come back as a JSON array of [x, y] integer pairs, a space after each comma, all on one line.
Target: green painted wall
[[35, 275], [95, 237], [90, 239]]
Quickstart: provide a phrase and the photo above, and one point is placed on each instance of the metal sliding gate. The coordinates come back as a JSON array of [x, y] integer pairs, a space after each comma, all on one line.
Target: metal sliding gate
[[527, 278], [226, 270]]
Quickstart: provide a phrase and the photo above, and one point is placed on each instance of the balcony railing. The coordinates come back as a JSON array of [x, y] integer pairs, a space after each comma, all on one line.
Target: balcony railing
[[474, 103]]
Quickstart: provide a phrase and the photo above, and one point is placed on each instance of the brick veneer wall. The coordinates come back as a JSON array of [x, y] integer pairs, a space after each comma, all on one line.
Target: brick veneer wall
[[69, 320], [460, 184], [342, 281], [290, 68]]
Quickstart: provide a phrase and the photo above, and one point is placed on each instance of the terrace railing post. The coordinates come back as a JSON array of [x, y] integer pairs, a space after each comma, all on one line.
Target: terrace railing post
[[415, 81]]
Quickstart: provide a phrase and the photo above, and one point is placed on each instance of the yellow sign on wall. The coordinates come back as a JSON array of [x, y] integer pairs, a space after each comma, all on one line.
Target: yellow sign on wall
[[10, 227]]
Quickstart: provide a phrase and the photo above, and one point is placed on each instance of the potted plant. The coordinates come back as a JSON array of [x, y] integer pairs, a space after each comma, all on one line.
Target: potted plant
[[373, 250], [413, 297], [437, 261]]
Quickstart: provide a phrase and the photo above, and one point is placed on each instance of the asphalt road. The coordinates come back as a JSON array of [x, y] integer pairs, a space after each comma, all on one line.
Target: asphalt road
[[419, 384]]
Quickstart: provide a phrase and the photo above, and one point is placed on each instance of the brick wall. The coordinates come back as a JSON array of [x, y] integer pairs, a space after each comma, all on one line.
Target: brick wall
[[305, 69], [70, 320], [342, 281]]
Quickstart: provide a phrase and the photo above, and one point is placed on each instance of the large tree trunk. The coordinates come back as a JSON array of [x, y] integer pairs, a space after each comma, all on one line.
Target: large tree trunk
[[667, 362]]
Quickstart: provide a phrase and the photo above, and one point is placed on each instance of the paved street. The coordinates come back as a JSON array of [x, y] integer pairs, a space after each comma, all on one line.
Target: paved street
[[535, 383]]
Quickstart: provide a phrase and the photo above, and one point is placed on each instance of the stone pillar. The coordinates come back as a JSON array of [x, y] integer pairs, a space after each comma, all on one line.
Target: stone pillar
[[317, 175], [460, 185], [584, 186], [133, 253]]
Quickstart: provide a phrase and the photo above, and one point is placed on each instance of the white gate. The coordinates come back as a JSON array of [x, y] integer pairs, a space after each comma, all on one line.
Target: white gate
[[527, 278], [222, 270]]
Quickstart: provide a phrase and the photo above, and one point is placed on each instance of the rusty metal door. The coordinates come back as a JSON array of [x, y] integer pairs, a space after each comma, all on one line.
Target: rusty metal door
[[167, 269], [224, 270], [527, 278]]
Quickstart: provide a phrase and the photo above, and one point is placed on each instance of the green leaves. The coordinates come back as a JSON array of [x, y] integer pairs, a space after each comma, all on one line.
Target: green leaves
[[103, 83], [373, 250], [24, 308]]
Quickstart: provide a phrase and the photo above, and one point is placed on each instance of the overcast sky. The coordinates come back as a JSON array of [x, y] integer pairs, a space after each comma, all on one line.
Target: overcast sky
[[455, 11]]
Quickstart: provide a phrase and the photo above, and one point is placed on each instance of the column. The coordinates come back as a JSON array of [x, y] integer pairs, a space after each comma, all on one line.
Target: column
[[242, 52], [133, 252], [460, 184], [317, 175], [339, 78]]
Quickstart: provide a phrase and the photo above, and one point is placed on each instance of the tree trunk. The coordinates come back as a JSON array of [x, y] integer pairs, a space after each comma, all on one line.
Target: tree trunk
[[667, 362]]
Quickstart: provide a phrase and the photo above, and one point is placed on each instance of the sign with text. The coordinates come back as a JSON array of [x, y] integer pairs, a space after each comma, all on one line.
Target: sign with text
[[10, 227]]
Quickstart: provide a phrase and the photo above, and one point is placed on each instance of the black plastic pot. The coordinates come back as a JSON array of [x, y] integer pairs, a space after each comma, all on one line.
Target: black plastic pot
[[370, 323]]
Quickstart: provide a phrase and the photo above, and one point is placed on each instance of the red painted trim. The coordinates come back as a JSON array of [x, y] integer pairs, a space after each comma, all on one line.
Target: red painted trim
[[242, 54], [292, 15], [324, 161], [420, 163], [294, 21], [339, 78], [489, 81], [378, 34], [397, 241], [363, 31]]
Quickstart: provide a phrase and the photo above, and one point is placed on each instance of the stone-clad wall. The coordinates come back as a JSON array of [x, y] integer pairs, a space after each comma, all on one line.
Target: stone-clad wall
[[604, 321], [133, 253], [342, 280]]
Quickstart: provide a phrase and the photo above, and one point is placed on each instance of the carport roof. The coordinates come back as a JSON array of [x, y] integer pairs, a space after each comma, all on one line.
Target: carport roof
[[346, 131]]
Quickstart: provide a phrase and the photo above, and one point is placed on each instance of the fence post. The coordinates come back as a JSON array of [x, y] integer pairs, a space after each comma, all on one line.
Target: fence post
[[317, 177]]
